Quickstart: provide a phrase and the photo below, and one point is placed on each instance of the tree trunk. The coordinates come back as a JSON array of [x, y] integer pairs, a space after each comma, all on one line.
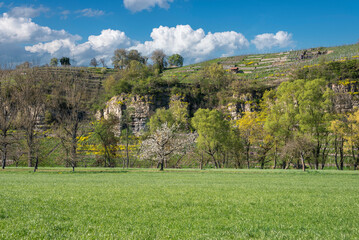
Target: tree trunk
[[4, 155], [36, 163], [341, 149], [336, 153], [219, 164], [73, 156], [74, 145], [356, 163], [275, 157], [162, 164], [284, 164], [288, 165], [262, 162], [324, 158], [127, 154], [30, 144], [238, 162], [201, 162], [316, 157], [247, 156], [302, 159], [214, 159]]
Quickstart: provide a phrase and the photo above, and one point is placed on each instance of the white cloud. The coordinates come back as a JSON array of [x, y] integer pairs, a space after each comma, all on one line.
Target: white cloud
[[43, 42], [269, 40], [140, 5], [26, 12], [24, 30], [18, 31], [193, 45], [89, 12], [51, 47], [99, 46]]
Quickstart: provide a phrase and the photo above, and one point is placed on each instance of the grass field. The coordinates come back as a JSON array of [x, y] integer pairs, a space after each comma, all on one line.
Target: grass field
[[178, 204]]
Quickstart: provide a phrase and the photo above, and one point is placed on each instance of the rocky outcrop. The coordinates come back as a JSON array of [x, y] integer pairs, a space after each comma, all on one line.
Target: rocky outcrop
[[239, 105], [346, 96], [139, 108]]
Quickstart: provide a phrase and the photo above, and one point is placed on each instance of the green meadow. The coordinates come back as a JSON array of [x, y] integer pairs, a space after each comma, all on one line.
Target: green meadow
[[55, 203]]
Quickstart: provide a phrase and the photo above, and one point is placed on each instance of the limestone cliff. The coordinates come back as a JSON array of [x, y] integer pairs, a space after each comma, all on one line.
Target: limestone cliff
[[346, 96], [140, 109]]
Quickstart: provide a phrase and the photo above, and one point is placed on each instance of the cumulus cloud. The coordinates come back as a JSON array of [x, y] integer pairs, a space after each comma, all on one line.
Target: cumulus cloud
[[193, 45], [18, 31], [140, 5], [89, 12], [99, 46], [269, 40], [26, 12], [24, 30]]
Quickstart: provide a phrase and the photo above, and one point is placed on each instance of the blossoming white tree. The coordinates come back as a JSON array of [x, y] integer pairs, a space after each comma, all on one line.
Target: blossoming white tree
[[165, 142]]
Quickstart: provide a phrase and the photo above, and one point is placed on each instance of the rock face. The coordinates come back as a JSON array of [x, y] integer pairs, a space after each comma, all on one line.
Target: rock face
[[235, 109], [346, 96], [140, 109]]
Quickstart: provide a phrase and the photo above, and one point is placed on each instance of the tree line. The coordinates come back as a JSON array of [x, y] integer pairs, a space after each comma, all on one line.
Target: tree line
[[122, 58], [297, 125]]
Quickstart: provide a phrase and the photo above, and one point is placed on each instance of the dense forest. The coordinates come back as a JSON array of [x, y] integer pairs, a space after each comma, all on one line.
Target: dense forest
[[301, 116]]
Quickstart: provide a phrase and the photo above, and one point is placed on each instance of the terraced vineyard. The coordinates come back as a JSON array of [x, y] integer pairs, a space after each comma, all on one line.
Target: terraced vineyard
[[272, 68], [93, 76]]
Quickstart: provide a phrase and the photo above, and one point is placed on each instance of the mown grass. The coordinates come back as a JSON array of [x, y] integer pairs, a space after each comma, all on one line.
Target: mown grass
[[178, 204]]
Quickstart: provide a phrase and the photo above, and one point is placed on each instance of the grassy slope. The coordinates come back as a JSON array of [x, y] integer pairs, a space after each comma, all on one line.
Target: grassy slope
[[268, 72], [147, 204], [271, 73]]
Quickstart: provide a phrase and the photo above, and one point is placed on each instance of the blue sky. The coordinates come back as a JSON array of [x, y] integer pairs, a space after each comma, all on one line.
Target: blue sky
[[197, 29]]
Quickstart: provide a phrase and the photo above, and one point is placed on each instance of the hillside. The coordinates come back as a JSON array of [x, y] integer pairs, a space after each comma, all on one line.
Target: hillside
[[267, 69], [270, 69], [247, 78], [233, 88]]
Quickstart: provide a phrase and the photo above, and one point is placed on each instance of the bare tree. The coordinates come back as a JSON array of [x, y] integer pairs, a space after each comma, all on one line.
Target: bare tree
[[30, 93], [120, 59], [159, 59], [103, 62], [94, 62], [8, 114], [299, 148], [69, 107], [165, 142]]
